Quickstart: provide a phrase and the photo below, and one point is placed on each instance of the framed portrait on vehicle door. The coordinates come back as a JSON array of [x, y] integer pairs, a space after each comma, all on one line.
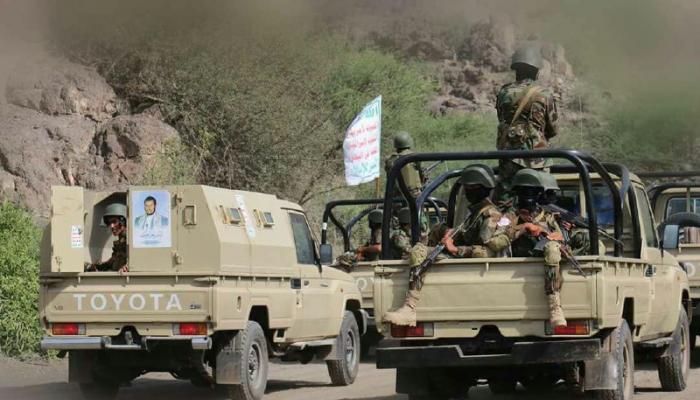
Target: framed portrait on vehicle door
[[150, 218]]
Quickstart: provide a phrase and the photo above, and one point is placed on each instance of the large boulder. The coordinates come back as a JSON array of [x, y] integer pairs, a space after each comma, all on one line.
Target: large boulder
[[57, 128], [55, 86], [126, 144]]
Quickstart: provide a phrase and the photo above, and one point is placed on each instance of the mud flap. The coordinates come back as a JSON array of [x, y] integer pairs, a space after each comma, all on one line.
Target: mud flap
[[80, 366], [601, 374], [228, 365], [331, 353]]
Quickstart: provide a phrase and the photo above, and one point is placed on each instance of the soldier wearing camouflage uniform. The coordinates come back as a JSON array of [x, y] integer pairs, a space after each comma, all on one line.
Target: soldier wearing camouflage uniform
[[115, 218], [482, 237], [401, 236], [527, 116], [372, 248], [413, 173], [531, 226]]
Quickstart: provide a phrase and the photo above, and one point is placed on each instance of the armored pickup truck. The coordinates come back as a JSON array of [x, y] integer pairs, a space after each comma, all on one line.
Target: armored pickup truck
[[363, 271], [679, 197], [216, 282], [488, 318]]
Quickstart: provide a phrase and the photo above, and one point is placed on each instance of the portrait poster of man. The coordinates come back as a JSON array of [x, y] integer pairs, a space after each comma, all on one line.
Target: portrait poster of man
[[151, 219]]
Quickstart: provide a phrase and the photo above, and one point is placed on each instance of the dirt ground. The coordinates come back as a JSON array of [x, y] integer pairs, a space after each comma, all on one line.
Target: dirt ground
[[48, 381]]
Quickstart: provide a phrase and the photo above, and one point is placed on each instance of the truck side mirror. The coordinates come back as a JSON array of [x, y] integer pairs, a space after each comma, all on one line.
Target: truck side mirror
[[671, 235], [326, 251]]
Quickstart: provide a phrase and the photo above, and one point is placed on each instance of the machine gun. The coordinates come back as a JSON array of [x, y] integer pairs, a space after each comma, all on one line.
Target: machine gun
[[576, 220], [416, 275]]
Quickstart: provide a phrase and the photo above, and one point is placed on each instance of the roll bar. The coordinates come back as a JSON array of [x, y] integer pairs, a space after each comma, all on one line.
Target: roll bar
[[346, 230], [581, 163], [656, 191]]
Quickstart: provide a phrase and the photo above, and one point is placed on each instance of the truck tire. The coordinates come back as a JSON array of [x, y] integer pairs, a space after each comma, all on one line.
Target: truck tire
[[503, 385], [343, 372], [252, 346], [674, 368], [99, 390], [623, 352]]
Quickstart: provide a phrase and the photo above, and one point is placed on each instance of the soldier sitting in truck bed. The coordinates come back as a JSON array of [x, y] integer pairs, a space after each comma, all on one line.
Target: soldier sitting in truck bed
[[481, 236], [115, 218]]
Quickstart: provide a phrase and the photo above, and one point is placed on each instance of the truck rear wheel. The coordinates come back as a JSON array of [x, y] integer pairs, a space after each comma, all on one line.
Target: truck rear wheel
[[252, 347], [623, 352], [344, 371], [674, 368]]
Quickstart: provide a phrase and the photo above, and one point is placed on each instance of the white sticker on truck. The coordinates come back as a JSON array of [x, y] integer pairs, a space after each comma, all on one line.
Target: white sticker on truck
[[76, 236], [124, 302]]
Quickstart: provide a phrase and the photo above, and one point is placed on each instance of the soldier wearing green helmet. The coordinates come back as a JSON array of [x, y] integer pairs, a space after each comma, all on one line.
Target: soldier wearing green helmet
[[401, 236], [115, 218], [372, 248], [412, 174], [527, 116], [534, 226], [484, 235]]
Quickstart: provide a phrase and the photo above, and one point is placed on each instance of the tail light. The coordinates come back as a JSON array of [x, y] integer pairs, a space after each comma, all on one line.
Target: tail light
[[190, 329], [420, 330], [67, 329], [573, 328]]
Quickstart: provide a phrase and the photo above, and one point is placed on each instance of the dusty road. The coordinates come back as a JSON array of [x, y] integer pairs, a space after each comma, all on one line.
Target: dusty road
[[41, 380]]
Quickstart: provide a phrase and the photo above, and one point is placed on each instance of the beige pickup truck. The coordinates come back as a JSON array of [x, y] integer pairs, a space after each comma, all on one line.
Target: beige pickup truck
[[681, 198], [344, 216], [487, 318], [219, 281]]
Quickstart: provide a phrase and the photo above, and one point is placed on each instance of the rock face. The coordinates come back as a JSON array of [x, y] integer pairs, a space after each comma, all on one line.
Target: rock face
[[58, 126], [472, 72]]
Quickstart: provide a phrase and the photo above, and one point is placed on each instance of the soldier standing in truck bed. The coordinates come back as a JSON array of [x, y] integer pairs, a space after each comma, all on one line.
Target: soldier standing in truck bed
[[527, 118]]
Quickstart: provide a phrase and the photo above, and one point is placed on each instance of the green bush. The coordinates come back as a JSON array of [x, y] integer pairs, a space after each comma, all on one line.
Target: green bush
[[19, 289]]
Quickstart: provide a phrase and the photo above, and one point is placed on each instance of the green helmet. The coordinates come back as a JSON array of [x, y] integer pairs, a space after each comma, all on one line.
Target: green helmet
[[478, 174], [528, 54], [549, 181], [528, 178], [114, 210], [375, 217], [403, 141], [405, 216]]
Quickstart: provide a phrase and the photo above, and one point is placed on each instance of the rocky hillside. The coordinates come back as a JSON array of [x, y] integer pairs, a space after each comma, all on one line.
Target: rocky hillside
[[62, 124], [472, 68]]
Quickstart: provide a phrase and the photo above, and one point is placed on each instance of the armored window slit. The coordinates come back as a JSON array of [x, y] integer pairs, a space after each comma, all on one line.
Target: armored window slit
[[189, 215]]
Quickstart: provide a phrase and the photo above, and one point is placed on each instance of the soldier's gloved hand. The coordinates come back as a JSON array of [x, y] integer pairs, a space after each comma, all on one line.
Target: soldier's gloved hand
[[449, 243], [533, 229], [566, 225], [360, 253]]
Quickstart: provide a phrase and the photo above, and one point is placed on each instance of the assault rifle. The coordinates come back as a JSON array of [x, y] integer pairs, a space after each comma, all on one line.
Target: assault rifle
[[564, 248], [577, 221], [415, 278]]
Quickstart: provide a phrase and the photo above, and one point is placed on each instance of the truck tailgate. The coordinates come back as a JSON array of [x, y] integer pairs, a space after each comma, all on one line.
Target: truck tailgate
[[118, 299], [478, 290]]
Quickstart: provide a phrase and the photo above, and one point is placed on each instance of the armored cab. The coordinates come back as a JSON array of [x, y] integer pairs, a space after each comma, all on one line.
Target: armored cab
[[216, 280]]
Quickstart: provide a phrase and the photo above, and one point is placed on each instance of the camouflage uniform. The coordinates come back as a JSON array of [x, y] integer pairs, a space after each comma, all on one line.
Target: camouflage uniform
[[400, 244], [524, 246], [412, 174], [120, 254], [483, 237], [532, 130]]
